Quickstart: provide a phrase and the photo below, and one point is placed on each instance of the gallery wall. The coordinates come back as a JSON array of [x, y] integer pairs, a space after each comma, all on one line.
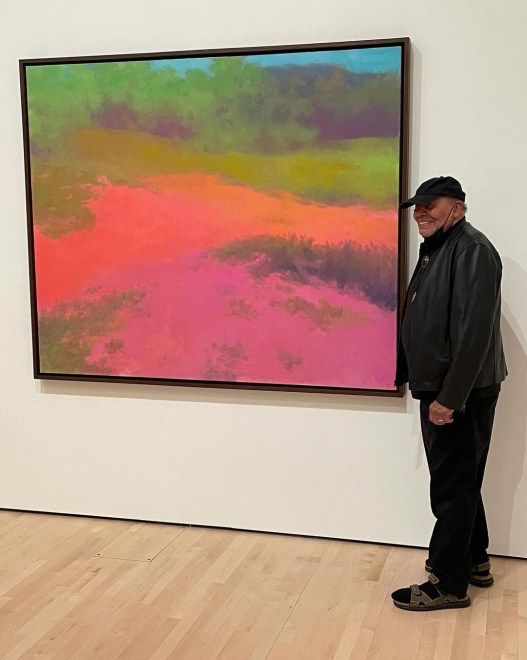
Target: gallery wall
[[316, 464]]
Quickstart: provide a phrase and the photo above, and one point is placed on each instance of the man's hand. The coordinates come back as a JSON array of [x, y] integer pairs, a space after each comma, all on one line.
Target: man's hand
[[440, 415]]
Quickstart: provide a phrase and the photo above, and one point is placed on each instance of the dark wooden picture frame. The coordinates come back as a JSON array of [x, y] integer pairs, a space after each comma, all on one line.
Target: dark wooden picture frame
[[220, 218]]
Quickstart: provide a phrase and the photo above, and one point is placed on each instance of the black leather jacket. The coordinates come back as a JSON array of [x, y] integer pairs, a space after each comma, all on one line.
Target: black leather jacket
[[450, 340]]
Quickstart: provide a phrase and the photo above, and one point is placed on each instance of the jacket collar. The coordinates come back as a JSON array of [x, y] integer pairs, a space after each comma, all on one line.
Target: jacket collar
[[434, 242]]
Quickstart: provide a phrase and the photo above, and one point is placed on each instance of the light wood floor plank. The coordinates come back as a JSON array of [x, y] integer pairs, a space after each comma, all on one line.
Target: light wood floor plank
[[213, 594], [242, 609], [327, 621], [521, 574], [140, 542]]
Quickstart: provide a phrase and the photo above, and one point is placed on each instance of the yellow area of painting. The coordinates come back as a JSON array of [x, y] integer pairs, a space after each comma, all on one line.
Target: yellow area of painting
[[363, 170]]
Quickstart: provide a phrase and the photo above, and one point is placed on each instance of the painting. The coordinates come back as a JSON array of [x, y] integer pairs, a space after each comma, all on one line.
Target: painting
[[223, 218]]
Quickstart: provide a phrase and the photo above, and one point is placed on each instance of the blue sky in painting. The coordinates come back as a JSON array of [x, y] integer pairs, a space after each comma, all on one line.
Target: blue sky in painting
[[359, 60]]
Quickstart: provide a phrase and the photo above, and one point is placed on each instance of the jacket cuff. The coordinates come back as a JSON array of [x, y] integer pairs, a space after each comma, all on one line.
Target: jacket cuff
[[452, 402]]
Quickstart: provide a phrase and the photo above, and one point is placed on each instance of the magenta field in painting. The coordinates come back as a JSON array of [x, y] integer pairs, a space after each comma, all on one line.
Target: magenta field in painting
[[221, 220]]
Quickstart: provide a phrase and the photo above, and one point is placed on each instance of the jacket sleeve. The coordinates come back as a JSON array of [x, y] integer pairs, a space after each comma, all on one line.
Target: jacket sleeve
[[476, 279]]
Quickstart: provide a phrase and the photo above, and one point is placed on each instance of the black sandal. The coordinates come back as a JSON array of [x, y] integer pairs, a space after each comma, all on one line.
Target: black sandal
[[427, 596], [480, 575]]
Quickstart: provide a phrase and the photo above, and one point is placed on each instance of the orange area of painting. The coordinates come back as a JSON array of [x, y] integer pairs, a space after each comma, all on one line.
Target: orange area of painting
[[176, 214], [248, 211]]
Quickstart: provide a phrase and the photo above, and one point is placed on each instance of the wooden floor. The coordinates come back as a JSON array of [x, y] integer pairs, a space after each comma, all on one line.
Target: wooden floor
[[76, 588]]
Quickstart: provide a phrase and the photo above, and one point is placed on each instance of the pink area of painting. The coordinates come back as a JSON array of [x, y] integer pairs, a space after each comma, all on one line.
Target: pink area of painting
[[177, 214], [206, 320]]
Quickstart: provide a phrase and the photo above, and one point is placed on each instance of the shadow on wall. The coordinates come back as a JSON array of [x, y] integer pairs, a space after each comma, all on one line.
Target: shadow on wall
[[506, 464]]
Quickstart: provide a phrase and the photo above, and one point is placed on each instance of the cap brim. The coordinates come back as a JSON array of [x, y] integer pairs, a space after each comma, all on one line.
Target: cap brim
[[418, 199]]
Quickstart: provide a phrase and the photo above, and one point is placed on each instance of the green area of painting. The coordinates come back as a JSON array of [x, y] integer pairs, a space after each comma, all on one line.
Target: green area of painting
[[322, 315], [60, 190], [355, 170], [359, 171], [223, 361], [290, 361], [236, 105], [368, 269], [242, 309], [68, 332], [319, 133]]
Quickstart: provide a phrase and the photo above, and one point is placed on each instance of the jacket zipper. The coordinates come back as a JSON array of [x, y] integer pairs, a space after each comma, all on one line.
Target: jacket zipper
[[419, 277]]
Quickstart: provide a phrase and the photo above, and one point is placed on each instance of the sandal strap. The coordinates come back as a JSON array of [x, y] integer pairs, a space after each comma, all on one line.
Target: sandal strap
[[419, 598], [433, 579]]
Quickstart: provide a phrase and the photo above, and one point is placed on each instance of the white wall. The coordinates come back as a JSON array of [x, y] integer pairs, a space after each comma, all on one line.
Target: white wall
[[326, 465]]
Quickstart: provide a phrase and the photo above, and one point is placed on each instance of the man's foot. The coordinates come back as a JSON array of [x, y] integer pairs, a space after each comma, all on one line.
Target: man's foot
[[480, 575], [427, 596]]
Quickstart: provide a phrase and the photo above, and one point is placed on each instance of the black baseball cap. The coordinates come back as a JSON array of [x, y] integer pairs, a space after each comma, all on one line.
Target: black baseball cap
[[438, 186]]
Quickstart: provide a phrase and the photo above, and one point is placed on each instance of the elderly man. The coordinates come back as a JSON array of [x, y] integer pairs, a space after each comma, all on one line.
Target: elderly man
[[451, 355]]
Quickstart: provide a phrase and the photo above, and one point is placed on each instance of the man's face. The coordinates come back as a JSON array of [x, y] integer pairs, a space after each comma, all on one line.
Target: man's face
[[433, 216]]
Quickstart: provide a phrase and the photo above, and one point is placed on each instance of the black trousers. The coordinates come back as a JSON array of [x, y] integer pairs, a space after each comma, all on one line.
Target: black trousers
[[457, 454]]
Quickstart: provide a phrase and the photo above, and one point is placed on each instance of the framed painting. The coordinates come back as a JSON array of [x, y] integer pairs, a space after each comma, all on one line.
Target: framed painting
[[224, 218]]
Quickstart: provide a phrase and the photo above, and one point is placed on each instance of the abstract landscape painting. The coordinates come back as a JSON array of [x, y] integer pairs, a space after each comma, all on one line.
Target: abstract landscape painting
[[226, 219]]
